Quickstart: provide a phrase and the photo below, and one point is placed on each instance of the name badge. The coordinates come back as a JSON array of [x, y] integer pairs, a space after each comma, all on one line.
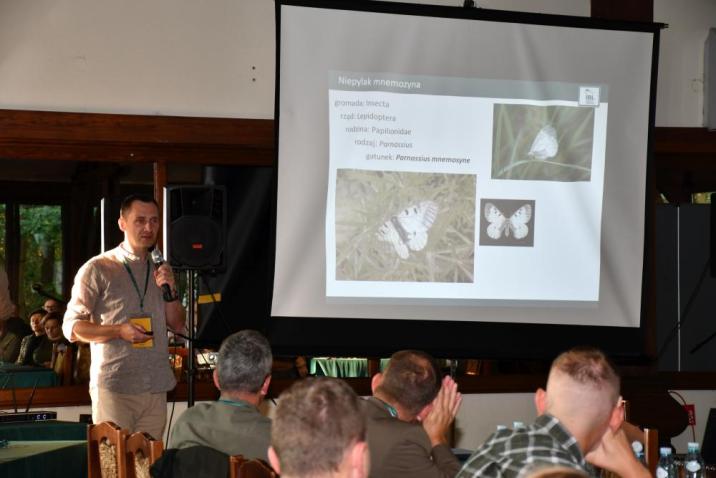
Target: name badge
[[144, 321]]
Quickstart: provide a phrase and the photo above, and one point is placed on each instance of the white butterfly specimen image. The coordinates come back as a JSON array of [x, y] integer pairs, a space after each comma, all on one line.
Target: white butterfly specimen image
[[545, 145], [404, 226], [507, 222], [408, 230], [542, 143]]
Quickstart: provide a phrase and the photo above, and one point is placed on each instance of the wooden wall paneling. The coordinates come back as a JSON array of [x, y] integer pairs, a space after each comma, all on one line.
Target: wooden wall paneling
[[78, 395], [160, 182], [84, 223], [632, 386], [135, 138], [112, 197]]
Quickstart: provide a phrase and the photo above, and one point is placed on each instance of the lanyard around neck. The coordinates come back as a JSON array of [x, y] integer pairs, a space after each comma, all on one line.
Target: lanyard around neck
[[234, 403], [391, 409], [140, 296]]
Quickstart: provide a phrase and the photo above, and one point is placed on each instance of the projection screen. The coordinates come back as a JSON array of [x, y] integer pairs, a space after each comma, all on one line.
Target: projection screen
[[450, 165]]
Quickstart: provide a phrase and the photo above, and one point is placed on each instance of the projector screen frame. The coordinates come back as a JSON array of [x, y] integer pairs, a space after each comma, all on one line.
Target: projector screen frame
[[380, 337]]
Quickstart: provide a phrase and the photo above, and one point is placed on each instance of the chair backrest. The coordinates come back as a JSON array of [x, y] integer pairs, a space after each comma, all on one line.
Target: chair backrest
[[239, 467], [81, 367], [62, 362], [106, 444], [650, 440], [141, 453], [651, 449], [235, 462], [651, 453]]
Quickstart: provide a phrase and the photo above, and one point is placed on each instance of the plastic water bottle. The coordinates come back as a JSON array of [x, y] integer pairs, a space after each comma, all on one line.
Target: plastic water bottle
[[666, 467], [638, 451], [693, 464]]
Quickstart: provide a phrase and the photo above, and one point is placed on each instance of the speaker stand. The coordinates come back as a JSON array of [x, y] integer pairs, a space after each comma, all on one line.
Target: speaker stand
[[191, 305]]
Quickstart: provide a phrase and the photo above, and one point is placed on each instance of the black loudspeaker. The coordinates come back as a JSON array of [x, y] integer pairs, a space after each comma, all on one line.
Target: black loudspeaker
[[195, 227], [712, 232], [710, 80], [708, 445]]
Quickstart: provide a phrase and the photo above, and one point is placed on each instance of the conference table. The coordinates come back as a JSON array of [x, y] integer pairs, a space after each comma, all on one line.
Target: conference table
[[45, 449], [26, 376]]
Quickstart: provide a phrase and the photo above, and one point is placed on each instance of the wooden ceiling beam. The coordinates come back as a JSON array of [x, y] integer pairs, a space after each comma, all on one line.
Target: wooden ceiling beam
[[44, 135]]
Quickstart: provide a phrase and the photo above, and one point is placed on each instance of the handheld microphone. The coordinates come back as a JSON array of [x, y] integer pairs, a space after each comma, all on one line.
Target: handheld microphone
[[158, 260]]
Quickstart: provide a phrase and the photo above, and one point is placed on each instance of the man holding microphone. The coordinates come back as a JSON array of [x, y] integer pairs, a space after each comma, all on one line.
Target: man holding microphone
[[122, 312]]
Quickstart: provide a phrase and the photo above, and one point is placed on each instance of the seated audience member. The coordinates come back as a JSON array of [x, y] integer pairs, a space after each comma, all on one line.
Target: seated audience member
[[9, 339], [409, 415], [58, 344], [35, 349], [51, 305], [233, 424], [319, 431], [579, 422]]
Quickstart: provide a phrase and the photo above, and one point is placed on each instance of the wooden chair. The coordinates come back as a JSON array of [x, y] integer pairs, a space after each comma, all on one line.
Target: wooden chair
[[141, 453], [239, 467], [651, 449], [650, 440], [62, 362], [106, 444], [80, 372], [649, 437]]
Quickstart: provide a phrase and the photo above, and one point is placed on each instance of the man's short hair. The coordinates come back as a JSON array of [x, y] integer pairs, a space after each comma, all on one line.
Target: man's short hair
[[588, 366], [317, 420], [127, 202], [39, 310], [244, 362], [412, 379], [51, 316]]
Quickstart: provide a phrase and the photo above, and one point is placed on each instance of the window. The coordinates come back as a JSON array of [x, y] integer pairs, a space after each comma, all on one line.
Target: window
[[40, 253], [31, 250]]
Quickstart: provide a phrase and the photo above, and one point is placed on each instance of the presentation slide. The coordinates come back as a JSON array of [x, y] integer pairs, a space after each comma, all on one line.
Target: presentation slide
[[458, 188], [440, 166]]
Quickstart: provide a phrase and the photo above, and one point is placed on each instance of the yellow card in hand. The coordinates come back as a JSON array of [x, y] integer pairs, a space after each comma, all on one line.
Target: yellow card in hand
[[146, 323]]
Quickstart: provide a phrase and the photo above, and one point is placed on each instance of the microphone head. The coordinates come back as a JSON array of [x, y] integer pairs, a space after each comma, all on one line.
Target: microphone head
[[156, 255]]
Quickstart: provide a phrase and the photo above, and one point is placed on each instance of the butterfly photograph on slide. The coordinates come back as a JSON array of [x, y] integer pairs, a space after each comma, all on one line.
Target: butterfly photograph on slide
[[404, 226], [408, 230], [543, 143], [507, 222]]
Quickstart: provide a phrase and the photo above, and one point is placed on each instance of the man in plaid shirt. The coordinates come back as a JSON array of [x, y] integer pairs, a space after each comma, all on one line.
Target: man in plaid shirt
[[579, 425]]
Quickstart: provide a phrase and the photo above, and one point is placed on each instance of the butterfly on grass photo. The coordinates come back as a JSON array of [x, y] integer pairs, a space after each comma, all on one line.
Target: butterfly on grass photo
[[545, 145], [515, 225], [408, 230], [542, 142]]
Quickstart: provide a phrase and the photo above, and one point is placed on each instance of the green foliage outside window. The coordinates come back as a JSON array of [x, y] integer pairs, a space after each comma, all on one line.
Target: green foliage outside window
[[40, 253]]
